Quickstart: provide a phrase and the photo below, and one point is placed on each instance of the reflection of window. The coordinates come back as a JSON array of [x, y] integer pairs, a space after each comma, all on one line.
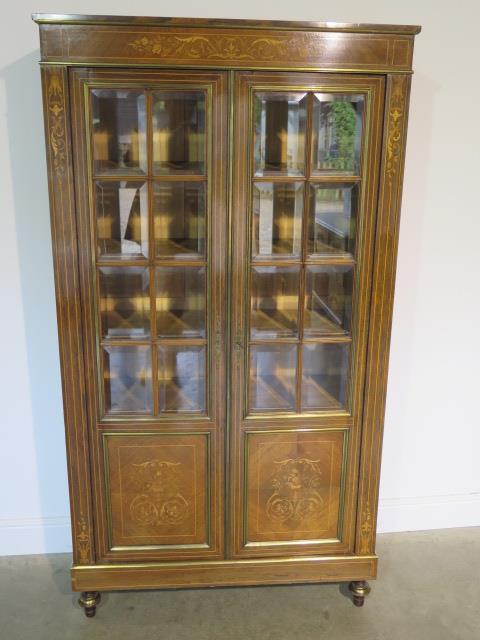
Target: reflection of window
[[338, 126]]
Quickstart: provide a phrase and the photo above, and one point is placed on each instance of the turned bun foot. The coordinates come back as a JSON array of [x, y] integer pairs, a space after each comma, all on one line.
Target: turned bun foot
[[89, 600], [359, 591]]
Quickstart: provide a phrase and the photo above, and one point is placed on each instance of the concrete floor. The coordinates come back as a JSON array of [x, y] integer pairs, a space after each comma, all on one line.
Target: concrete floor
[[428, 588]]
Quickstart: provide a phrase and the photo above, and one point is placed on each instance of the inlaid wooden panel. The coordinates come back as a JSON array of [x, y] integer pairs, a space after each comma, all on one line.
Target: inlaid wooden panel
[[158, 489], [293, 485], [219, 45]]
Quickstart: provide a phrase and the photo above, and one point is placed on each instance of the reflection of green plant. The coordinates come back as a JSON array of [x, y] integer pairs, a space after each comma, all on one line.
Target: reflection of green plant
[[341, 120]]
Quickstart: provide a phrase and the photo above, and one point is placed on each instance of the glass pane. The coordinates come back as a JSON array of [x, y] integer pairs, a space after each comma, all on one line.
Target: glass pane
[[277, 219], [119, 125], [274, 302], [179, 132], [328, 300], [181, 301], [179, 218], [181, 379], [124, 302], [324, 379], [280, 120], [332, 225], [337, 133], [127, 379], [122, 219], [273, 372]]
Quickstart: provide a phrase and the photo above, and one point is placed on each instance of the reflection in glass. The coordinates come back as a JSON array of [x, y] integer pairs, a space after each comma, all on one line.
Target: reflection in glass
[[337, 133], [179, 132], [324, 379], [280, 119], [277, 219], [124, 302], [127, 379], [332, 223], [274, 302], [181, 379], [180, 301], [328, 300], [122, 219], [179, 219], [119, 125], [273, 370]]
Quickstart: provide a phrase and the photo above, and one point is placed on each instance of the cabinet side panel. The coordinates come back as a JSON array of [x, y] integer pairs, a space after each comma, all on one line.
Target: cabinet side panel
[[390, 191], [65, 256]]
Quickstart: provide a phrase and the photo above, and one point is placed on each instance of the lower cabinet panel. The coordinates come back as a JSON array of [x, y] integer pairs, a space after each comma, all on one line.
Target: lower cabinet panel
[[158, 490], [294, 487]]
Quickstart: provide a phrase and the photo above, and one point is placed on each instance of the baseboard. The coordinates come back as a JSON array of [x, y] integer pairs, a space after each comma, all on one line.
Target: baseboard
[[23, 536], [428, 512]]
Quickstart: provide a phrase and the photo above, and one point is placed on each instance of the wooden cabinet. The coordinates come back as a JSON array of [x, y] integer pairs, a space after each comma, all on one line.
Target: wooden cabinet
[[225, 200]]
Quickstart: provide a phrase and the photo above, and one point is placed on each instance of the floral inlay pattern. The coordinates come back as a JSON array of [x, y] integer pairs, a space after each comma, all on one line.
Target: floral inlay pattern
[[56, 122], [395, 131]]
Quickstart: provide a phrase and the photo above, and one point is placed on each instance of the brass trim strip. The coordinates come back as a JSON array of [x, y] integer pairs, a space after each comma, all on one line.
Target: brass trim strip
[[222, 67], [226, 563], [225, 23]]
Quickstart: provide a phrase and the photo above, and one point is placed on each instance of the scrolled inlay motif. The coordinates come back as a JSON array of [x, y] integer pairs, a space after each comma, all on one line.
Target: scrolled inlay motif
[[159, 501], [230, 47], [56, 122], [296, 495]]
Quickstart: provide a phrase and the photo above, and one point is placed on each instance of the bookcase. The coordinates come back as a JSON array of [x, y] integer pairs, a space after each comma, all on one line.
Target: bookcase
[[225, 200]]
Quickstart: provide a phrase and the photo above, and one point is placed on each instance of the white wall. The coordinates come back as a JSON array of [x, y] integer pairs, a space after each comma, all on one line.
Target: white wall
[[430, 472]]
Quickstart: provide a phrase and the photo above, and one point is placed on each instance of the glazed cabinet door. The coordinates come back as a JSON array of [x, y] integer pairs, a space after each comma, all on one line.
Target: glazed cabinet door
[[150, 166], [306, 155]]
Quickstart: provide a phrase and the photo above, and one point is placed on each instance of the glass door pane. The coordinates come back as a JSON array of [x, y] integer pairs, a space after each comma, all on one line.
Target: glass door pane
[[332, 219], [151, 150], [337, 133], [179, 132], [121, 211], [179, 210], [305, 188], [280, 120], [277, 219], [119, 131]]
